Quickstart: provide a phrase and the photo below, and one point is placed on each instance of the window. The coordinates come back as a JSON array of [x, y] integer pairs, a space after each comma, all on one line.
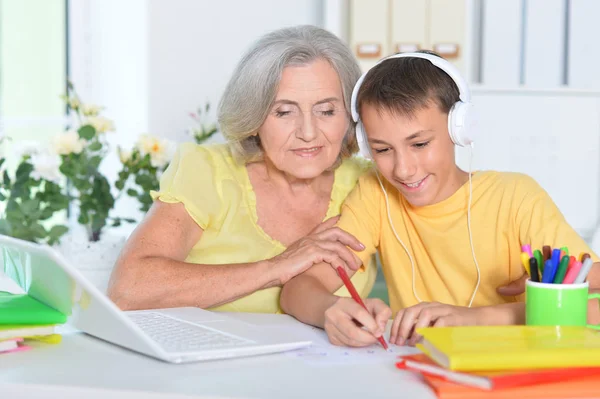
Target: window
[[33, 68]]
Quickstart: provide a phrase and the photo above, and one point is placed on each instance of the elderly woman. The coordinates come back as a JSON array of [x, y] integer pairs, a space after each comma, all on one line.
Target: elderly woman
[[232, 223]]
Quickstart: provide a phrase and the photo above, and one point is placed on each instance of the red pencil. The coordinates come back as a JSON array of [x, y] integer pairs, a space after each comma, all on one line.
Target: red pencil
[[344, 276]]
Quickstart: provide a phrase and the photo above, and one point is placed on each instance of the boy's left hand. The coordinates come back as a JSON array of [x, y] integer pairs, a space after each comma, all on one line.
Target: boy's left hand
[[429, 314], [515, 287]]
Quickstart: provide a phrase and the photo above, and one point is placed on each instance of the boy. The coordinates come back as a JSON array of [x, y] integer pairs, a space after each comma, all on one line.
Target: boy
[[446, 239]]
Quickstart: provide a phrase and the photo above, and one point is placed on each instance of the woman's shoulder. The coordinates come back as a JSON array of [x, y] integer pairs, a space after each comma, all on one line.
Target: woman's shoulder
[[215, 157], [204, 152], [351, 169]]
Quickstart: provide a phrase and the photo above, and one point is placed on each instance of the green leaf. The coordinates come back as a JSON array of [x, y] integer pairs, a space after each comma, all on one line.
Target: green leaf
[[83, 219], [95, 161], [38, 230], [47, 212], [13, 211], [67, 169], [132, 193], [96, 146], [144, 180], [55, 233], [30, 206], [5, 227], [23, 171], [6, 180], [87, 132]]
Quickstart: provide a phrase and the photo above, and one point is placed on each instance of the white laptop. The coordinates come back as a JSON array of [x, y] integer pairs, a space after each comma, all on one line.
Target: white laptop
[[174, 335]]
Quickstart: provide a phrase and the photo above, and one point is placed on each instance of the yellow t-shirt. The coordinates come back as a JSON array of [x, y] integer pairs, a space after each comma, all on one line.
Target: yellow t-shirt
[[217, 193], [508, 209]]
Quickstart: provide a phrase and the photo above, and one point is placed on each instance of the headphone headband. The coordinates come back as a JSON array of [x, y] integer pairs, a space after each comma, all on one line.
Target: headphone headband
[[451, 70]]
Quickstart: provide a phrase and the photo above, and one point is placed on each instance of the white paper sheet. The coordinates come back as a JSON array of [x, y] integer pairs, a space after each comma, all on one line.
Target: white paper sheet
[[323, 353]]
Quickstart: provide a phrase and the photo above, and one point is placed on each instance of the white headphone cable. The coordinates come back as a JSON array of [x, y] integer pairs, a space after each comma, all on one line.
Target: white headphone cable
[[469, 225], [412, 263]]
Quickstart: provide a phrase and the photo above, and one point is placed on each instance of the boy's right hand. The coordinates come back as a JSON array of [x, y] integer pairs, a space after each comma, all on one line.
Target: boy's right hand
[[349, 324]]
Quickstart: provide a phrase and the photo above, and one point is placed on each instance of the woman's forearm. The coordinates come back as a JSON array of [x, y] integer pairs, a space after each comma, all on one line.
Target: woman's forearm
[[307, 299], [156, 282]]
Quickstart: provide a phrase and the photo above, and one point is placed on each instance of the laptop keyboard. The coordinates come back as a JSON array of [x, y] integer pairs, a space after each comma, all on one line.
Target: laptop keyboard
[[179, 336]]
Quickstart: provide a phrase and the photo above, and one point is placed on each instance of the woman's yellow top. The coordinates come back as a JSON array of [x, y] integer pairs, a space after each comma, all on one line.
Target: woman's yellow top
[[217, 193]]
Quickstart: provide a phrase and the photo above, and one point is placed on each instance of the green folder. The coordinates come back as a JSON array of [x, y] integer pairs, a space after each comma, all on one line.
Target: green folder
[[23, 309]]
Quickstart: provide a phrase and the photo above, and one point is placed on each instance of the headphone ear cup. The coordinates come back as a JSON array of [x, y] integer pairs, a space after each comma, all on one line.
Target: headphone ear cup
[[361, 139], [461, 124]]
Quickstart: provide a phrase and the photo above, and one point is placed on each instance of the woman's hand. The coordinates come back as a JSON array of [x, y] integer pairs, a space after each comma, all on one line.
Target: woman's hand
[[343, 321], [430, 314], [325, 243]]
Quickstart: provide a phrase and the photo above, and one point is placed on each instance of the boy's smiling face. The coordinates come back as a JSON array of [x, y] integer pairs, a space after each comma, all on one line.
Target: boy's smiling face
[[414, 152]]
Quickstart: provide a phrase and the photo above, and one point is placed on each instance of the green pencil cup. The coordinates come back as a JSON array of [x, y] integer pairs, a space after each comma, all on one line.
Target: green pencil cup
[[557, 304]]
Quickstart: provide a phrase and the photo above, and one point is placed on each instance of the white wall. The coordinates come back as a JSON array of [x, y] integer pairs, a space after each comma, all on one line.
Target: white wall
[[551, 135], [194, 46], [109, 61], [151, 62]]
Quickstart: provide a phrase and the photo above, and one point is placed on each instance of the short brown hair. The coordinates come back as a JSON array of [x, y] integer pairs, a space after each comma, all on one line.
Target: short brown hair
[[405, 85]]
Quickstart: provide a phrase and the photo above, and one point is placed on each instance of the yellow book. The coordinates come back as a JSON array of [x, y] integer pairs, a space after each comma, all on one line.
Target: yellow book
[[484, 348]]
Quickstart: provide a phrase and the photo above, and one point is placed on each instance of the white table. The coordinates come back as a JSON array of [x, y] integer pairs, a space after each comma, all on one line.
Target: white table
[[83, 366]]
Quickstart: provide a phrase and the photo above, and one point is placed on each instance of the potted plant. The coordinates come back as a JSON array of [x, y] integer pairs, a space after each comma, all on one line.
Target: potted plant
[[149, 158], [142, 167], [32, 198]]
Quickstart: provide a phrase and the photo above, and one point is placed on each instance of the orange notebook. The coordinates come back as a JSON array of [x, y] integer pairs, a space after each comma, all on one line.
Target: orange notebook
[[586, 387], [489, 380]]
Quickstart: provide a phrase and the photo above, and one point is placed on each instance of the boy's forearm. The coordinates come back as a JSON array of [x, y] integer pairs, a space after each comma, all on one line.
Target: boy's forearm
[[307, 299], [504, 314]]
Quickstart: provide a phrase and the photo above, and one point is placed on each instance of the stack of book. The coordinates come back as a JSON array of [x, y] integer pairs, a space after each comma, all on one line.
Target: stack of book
[[23, 317], [508, 362]]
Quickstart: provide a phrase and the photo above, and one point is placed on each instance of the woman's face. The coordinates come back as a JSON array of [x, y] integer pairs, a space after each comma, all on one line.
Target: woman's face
[[303, 133]]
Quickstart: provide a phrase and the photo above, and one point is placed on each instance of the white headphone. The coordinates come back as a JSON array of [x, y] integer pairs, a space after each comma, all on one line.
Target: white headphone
[[461, 118], [461, 127]]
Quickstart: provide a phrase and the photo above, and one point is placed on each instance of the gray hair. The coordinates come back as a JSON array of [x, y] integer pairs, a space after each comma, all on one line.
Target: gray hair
[[252, 89]]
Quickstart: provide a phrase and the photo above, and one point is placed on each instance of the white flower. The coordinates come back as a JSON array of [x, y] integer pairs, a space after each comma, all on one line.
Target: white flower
[[161, 150], [91, 109], [74, 102], [68, 142], [27, 148], [45, 166], [101, 124], [124, 155]]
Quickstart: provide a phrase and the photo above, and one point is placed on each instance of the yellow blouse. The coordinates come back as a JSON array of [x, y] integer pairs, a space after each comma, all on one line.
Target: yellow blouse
[[217, 193]]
